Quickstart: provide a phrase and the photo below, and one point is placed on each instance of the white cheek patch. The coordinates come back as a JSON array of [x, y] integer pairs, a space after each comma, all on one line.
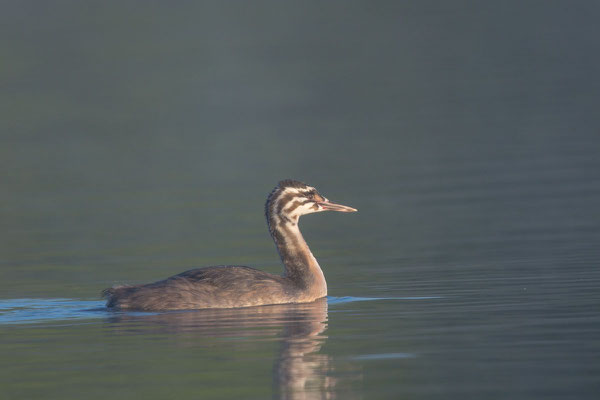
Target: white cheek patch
[[310, 208], [299, 211], [302, 209]]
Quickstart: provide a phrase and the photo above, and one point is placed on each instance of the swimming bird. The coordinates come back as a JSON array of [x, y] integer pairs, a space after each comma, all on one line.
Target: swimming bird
[[232, 286]]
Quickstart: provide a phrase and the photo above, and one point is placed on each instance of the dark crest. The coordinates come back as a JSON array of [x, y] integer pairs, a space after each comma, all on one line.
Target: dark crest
[[286, 183]]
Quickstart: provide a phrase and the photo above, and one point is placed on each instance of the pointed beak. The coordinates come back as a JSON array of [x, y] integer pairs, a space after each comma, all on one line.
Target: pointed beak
[[329, 206]]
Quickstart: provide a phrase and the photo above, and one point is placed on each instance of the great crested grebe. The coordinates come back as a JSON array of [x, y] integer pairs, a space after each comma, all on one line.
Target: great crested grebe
[[229, 286]]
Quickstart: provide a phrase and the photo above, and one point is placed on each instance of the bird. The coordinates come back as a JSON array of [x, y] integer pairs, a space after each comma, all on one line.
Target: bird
[[233, 286]]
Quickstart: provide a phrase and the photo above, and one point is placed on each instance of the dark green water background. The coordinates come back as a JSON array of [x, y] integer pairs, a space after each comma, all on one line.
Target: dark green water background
[[140, 139]]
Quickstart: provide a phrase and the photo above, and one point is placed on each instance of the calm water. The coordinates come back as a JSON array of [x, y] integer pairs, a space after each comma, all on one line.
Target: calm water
[[140, 140]]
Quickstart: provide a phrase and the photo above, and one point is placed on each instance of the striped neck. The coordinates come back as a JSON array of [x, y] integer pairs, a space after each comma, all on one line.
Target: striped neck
[[300, 264], [301, 267]]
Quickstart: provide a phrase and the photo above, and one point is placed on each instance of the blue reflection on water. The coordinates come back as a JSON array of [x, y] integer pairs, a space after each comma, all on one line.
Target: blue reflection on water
[[26, 311], [350, 299]]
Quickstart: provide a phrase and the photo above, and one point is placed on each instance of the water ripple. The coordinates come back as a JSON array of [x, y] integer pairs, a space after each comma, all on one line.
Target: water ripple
[[28, 311], [350, 299], [23, 311]]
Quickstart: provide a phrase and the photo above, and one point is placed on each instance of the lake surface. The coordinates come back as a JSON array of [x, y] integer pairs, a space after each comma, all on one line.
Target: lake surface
[[140, 140]]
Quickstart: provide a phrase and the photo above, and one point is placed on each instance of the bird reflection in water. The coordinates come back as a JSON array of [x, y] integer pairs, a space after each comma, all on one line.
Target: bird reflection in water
[[299, 371]]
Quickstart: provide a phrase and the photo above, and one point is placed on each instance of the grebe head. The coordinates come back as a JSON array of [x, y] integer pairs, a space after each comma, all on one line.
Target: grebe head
[[291, 199]]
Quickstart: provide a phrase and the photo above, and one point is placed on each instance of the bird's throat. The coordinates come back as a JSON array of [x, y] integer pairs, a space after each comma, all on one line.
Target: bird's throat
[[301, 267]]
